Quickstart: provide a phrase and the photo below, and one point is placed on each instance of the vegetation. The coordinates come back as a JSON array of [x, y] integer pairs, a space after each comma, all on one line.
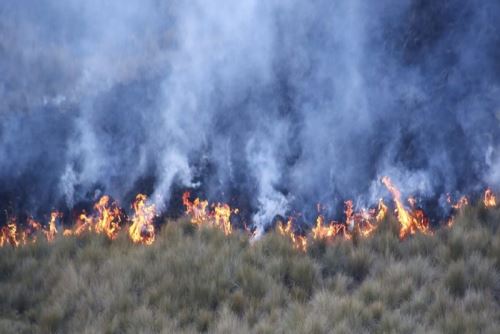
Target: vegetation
[[194, 280]]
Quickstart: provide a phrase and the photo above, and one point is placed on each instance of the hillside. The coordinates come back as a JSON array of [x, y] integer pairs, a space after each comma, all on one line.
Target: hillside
[[194, 280]]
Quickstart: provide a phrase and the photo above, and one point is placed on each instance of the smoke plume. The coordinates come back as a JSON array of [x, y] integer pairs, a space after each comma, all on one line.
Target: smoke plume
[[273, 106]]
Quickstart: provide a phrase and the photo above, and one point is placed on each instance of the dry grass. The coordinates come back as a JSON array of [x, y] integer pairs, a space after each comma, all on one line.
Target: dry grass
[[200, 280]]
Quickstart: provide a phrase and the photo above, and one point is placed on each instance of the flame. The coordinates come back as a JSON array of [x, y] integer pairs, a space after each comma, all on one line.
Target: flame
[[298, 241], [410, 221], [107, 218], [8, 233], [348, 214], [489, 199], [32, 228], [15, 236], [218, 217], [364, 222], [381, 212], [323, 232], [50, 234], [142, 229], [196, 209], [462, 202], [222, 212], [83, 224]]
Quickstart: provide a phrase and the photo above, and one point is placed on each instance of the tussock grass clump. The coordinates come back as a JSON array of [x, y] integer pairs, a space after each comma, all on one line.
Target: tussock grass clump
[[199, 280]]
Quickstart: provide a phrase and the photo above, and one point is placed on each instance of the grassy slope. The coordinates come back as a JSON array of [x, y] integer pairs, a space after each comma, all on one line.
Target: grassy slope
[[192, 280]]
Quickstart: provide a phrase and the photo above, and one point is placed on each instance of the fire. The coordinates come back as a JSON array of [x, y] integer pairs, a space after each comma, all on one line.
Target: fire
[[462, 202], [84, 223], [108, 218], [197, 209], [366, 222], [52, 230], [105, 220], [31, 230], [489, 199], [14, 235], [363, 222], [322, 232], [222, 212], [348, 215], [298, 241], [218, 217], [8, 234], [142, 229], [412, 220], [381, 212]]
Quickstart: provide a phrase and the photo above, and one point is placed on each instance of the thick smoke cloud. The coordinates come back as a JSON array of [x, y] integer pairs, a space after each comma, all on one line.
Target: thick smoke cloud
[[272, 106]]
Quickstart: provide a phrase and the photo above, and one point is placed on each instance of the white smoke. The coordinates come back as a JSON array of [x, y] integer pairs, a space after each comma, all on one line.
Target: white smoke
[[281, 105]]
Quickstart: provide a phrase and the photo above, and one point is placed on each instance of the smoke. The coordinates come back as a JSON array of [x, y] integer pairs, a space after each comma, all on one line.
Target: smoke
[[272, 106]]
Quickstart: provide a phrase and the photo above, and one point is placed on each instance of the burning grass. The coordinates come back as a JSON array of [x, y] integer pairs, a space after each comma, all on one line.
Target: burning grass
[[196, 278], [108, 218]]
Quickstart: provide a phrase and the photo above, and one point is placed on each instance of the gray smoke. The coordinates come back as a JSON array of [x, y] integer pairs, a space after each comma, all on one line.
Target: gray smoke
[[273, 106]]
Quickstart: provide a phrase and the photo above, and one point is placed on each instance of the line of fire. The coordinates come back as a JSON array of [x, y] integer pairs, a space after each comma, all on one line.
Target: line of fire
[[109, 218]]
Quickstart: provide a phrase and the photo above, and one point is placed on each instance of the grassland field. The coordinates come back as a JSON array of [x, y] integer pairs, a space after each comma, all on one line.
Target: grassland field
[[199, 280]]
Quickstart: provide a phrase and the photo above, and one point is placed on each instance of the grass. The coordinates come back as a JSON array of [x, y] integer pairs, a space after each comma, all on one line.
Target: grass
[[194, 280]]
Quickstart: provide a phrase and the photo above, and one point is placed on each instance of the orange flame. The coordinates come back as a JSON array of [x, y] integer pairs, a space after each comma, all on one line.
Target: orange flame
[[32, 228], [410, 221], [222, 212], [8, 234], [298, 241], [108, 221], [218, 217], [381, 211], [489, 199], [50, 234], [365, 222], [107, 218], [323, 232], [142, 229], [83, 224], [196, 209], [462, 202], [348, 214]]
